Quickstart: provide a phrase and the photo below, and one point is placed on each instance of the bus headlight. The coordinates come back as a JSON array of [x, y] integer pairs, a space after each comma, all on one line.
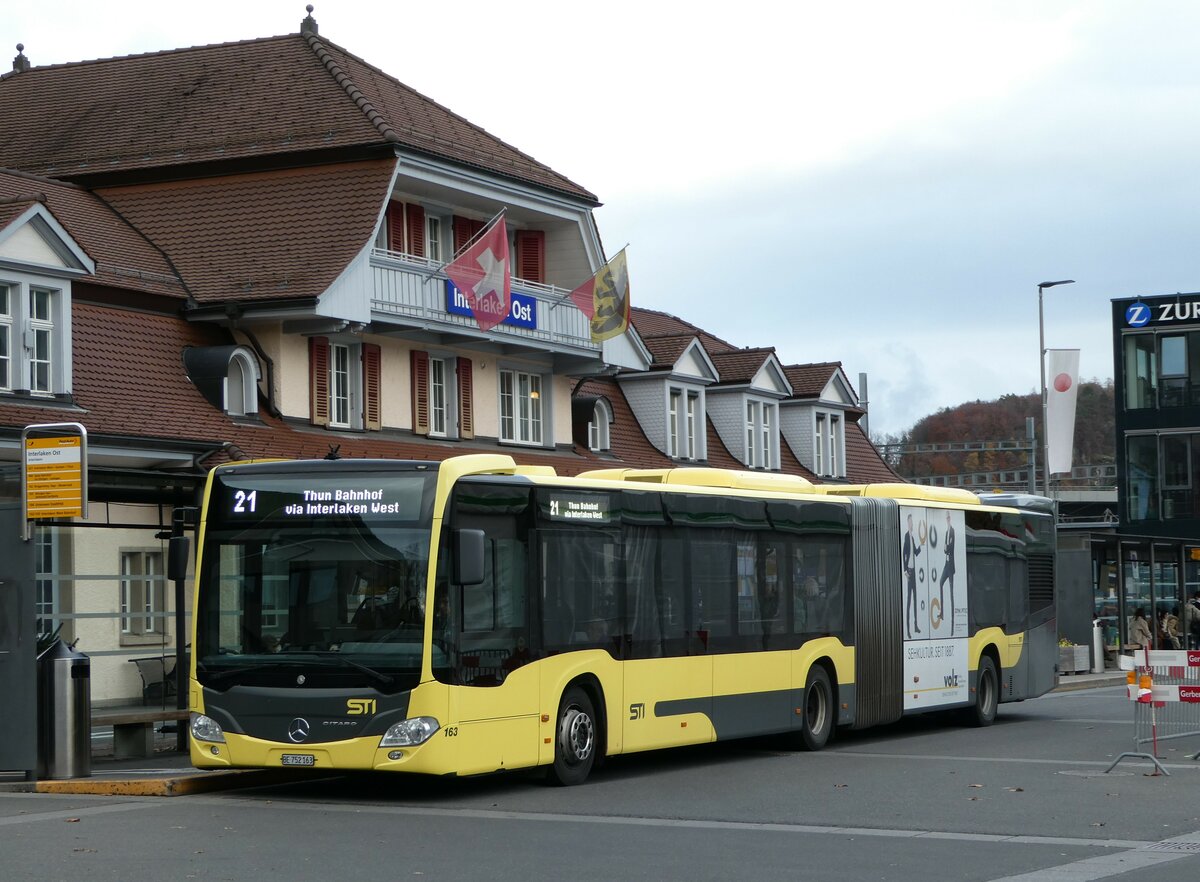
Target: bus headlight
[[410, 733], [206, 729]]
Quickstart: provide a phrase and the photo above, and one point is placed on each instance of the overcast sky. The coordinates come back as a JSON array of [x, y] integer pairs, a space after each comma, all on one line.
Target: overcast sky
[[877, 183]]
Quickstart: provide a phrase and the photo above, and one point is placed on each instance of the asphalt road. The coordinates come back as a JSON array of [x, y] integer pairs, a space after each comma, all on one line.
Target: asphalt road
[[1025, 799]]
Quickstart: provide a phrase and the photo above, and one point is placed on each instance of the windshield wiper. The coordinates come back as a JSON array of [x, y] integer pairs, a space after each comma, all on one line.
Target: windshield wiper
[[215, 677], [377, 676]]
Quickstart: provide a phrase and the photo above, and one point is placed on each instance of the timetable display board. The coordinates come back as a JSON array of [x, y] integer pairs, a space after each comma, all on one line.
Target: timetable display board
[[54, 471]]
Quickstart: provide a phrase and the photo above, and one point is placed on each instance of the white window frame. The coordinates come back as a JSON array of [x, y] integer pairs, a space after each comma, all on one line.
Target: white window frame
[[767, 435], [241, 384], [819, 445], [835, 445], [752, 424], [40, 341], [522, 413], [693, 407], [143, 592], [673, 404], [345, 386], [599, 432], [438, 408], [433, 237], [6, 336]]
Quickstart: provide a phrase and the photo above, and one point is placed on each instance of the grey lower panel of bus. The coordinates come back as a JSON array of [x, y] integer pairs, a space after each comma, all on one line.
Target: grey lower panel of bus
[[878, 653], [744, 716], [271, 713]]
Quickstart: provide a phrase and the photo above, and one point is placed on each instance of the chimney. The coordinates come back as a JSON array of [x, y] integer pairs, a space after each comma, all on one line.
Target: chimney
[[21, 63], [308, 27]]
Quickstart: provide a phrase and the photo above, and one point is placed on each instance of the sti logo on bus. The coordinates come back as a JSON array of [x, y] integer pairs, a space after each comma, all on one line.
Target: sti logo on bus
[[637, 711], [357, 707]]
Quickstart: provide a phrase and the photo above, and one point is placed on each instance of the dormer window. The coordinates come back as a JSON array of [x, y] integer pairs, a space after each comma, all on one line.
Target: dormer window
[[829, 445], [685, 424], [227, 377], [760, 435], [33, 344], [598, 427]]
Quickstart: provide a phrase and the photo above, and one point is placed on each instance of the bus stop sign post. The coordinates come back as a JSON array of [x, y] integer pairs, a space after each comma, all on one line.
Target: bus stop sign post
[[54, 473]]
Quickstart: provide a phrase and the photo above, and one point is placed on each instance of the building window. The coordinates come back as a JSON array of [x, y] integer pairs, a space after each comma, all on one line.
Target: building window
[[1141, 372], [241, 385], [835, 445], [520, 407], [342, 375], [437, 397], [598, 429], [693, 409], [1142, 477], [819, 445], [433, 238], [767, 435], [6, 324], [339, 385], [143, 592], [673, 423], [752, 434]]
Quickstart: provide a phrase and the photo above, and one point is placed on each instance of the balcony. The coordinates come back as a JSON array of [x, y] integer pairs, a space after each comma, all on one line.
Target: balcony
[[413, 296]]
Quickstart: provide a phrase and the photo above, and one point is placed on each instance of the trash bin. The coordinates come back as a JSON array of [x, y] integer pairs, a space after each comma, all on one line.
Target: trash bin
[[64, 713]]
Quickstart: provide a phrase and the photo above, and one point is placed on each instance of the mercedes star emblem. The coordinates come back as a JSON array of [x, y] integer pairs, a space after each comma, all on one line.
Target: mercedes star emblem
[[298, 729]]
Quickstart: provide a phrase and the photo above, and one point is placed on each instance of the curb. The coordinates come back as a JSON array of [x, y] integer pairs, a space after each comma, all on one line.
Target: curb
[[178, 785], [1084, 681]]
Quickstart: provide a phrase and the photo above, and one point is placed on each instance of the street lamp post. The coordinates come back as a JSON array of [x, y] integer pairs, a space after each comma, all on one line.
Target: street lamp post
[[1042, 364]]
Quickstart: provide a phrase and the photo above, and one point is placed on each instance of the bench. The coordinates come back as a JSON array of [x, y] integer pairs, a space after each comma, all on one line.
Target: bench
[[133, 728]]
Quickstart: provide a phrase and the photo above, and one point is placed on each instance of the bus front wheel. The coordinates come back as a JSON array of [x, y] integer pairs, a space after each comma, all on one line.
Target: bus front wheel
[[575, 739], [987, 694], [817, 717]]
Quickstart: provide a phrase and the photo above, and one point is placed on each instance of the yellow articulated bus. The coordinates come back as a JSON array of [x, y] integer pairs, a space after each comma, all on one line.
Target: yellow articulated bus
[[473, 615]]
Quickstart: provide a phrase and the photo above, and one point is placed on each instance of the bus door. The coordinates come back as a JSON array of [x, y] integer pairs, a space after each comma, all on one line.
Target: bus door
[[493, 708], [668, 674]]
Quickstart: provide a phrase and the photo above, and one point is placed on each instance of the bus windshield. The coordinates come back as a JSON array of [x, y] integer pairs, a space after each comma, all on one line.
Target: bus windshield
[[312, 581]]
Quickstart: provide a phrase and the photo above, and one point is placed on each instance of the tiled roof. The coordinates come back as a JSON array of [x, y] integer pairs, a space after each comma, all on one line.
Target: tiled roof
[[810, 380], [652, 323], [267, 97], [863, 462], [740, 365], [628, 443], [276, 235], [666, 350], [123, 256]]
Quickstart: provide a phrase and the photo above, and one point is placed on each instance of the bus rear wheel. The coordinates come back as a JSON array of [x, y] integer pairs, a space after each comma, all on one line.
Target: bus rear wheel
[[817, 717], [575, 739], [987, 694]]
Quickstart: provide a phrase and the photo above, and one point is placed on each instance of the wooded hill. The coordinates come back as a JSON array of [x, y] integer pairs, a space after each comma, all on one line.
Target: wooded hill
[[1000, 420]]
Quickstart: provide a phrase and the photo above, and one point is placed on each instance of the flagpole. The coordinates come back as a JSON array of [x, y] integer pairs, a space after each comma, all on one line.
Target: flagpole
[[556, 303], [453, 257]]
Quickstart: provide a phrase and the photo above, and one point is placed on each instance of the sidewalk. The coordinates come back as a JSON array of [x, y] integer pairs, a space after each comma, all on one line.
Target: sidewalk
[[170, 773]]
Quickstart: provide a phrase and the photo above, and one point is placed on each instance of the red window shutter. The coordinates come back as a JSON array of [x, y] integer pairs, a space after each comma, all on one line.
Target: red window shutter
[[395, 225], [373, 393], [531, 255], [420, 392], [318, 380], [416, 229], [466, 403], [464, 229]]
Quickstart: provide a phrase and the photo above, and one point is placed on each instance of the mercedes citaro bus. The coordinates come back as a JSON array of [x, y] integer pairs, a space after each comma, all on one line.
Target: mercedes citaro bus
[[474, 615]]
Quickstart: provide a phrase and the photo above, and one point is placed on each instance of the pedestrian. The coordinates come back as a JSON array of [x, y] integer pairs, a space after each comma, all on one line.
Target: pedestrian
[[1140, 634]]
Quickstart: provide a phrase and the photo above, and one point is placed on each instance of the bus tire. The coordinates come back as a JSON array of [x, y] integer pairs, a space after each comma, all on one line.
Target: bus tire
[[816, 722], [987, 694], [575, 739]]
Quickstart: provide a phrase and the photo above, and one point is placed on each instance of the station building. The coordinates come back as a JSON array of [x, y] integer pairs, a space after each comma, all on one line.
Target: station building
[[236, 251]]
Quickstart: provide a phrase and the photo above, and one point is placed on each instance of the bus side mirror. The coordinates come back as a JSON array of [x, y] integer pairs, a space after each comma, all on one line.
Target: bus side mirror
[[468, 546], [178, 551]]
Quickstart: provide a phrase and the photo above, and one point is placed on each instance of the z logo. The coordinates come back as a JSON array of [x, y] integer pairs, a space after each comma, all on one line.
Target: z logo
[[637, 711]]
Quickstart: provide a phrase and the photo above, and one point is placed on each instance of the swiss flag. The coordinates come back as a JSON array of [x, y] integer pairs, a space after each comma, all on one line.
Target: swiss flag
[[482, 273]]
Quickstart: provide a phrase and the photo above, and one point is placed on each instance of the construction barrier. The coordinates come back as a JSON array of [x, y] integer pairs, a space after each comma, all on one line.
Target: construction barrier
[[1164, 687]]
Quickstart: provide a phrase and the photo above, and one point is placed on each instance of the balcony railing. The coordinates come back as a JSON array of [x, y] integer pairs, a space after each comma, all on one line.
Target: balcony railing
[[409, 289]]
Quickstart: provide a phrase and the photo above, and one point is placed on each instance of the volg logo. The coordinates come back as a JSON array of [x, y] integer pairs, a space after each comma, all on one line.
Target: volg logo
[[357, 707]]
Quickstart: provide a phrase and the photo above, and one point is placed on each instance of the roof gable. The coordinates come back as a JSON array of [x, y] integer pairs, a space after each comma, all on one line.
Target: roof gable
[[35, 237]]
